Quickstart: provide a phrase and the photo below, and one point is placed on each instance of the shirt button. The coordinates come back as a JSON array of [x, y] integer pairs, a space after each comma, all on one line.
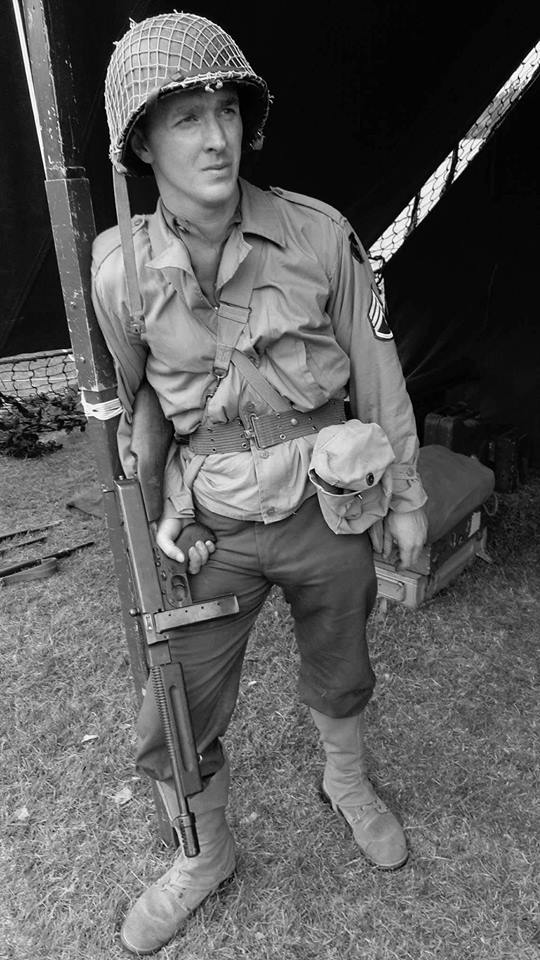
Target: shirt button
[[265, 455], [250, 406], [270, 511]]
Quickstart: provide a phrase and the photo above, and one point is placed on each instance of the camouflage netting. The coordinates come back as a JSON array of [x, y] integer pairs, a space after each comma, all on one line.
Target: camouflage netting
[[39, 396], [35, 374], [456, 162]]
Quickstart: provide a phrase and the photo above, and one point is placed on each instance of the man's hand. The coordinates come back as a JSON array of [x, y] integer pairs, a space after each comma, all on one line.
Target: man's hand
[[408, 531], [197, 540]]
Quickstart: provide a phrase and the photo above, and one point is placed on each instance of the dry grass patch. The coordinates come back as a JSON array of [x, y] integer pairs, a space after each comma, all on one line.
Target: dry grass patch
[[453, 733]]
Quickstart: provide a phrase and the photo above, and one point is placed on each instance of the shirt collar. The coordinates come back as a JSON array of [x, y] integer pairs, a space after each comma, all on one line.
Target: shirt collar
[[258, 216], [184, 229], [255, 213], [167, 249]]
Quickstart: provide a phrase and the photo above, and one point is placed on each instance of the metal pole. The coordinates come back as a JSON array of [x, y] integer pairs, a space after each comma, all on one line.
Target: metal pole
[[28, 73]]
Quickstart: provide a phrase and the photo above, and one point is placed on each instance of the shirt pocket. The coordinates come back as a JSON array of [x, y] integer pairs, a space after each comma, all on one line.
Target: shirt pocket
[[286, 365], [327, 363]]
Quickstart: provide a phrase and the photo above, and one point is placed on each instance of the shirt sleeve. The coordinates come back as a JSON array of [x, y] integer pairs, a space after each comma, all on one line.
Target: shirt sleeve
[[129, 357], [177, 484], [377, 389], [129, 353]]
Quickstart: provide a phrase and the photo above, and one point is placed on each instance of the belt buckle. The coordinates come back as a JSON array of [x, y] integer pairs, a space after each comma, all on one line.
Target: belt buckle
[[251, 431]]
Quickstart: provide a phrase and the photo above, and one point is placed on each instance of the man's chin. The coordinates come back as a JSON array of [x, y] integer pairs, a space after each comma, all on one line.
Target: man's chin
[[219, 180], [218, 194]]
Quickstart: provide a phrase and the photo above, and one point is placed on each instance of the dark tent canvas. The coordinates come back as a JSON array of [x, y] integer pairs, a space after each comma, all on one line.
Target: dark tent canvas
[[366, 106]]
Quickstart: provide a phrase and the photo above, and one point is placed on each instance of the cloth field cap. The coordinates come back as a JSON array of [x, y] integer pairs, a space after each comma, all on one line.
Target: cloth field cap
[[171, 52], [352, 455]]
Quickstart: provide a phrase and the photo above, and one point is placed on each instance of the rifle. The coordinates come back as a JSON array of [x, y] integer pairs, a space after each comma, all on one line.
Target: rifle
[[39, 567], [164, 608], [163, 603], [154, 592]]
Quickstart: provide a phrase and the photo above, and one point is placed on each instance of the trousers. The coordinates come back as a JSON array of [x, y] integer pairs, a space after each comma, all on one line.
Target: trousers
[[330, 584]]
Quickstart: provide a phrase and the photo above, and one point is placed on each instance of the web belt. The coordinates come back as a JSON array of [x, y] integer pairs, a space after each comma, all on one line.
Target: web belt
[[263, 431]]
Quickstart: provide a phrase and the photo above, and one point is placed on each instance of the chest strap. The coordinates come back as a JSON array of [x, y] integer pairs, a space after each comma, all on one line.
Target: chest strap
[[233, 312], [260, 384], [264, 431]]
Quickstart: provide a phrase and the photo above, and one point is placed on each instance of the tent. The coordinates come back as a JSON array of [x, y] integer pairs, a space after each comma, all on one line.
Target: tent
[[368, 100]]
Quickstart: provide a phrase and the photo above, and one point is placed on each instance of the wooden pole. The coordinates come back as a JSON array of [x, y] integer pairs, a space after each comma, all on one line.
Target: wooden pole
[[73, 229]]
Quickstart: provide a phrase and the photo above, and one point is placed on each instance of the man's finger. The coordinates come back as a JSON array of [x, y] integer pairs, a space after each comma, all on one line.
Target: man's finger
[[388, 542], [171, 550], [376, 536], [409, 554], [169, 547], [195, 560], [199, 554], [405, 559]]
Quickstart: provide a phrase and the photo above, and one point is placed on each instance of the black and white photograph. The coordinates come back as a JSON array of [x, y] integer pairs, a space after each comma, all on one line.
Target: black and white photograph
[[270, 481]]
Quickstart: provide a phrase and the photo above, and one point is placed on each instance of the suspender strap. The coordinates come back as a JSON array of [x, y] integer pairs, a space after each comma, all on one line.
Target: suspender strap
[[259, 383], [233, 313], [231, 320], [121, 199]]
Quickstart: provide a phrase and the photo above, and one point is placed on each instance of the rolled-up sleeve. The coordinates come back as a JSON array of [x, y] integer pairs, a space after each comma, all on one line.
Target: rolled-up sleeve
[[377, 387], [129, 352], [129, 357]]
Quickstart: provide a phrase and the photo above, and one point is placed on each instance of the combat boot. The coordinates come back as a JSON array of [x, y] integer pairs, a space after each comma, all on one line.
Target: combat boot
[[347, 789], [161, 911]]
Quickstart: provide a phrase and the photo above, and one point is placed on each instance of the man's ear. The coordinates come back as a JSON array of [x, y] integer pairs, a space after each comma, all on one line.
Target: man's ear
[[139, 145]]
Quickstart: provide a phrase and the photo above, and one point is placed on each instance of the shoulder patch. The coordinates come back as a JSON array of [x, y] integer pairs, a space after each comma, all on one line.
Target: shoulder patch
[[310, 202], [377, 318], [355, 248]]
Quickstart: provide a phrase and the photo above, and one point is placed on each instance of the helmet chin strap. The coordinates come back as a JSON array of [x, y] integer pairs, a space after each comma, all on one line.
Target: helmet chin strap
[[123, 214]]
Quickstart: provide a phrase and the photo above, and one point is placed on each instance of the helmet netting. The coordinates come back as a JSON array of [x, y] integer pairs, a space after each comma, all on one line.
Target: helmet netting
[[172, 52]]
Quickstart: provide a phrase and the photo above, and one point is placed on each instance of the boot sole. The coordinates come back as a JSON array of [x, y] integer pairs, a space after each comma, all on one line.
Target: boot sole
[[149, 953], [388, 868]]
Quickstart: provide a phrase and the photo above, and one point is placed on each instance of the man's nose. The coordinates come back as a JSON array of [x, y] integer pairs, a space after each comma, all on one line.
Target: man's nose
[[214, 135]]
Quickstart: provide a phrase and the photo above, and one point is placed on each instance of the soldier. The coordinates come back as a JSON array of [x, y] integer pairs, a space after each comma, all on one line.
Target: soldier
[[260, 317]]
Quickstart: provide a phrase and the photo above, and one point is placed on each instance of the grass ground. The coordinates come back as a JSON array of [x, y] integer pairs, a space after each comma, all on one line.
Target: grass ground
[[453, 731]]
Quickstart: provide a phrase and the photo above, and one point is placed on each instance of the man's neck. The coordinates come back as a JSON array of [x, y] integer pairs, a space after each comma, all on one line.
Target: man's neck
[[211, 224]]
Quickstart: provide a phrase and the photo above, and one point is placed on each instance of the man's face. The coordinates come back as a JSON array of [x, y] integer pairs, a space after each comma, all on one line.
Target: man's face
[[193, 141]]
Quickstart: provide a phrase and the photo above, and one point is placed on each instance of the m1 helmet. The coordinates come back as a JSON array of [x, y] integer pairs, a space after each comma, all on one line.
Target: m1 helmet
[[171, 52]]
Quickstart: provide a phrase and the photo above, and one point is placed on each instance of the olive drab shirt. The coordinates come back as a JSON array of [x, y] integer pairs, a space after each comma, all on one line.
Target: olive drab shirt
[[317, 330]]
